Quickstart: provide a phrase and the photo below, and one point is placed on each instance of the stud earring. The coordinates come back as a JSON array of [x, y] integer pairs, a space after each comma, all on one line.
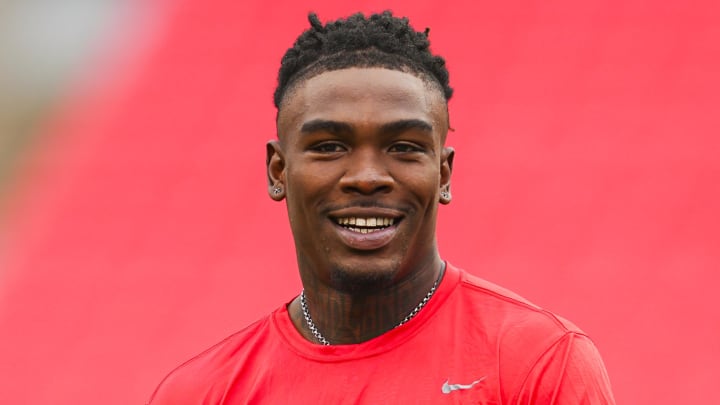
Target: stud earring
[[277, 190], [444, 194]]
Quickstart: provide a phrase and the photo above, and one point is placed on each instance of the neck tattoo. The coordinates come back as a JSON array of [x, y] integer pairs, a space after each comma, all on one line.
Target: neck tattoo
[[319, 336]]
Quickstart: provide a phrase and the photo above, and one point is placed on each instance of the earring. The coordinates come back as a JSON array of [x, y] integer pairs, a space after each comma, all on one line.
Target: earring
[[445, 196], [277, 190]]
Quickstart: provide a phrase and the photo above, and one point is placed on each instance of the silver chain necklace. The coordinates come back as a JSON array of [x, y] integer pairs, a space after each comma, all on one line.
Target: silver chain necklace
[[319, 336]]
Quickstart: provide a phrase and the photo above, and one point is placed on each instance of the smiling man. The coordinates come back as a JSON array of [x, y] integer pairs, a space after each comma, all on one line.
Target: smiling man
[[362, 165]]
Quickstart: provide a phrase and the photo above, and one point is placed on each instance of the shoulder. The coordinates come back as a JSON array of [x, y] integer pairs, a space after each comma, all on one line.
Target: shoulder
[[518, 330], [520, 327], [570, 371], [507, 307], [544, 356], [190, 382]]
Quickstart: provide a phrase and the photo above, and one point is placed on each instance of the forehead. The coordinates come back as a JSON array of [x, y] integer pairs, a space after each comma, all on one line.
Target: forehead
[[364, 95]]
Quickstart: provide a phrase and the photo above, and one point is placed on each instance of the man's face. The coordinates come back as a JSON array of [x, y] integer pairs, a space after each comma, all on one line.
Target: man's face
[[361, 159]]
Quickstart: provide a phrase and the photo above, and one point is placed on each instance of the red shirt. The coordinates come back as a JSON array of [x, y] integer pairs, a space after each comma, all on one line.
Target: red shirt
[[474, 342]]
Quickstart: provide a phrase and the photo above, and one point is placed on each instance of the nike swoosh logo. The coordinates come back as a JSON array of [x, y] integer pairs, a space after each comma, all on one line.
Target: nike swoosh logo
[[448, 388]]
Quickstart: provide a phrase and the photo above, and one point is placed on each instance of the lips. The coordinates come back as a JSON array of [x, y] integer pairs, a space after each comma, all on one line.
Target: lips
[[366, 231]]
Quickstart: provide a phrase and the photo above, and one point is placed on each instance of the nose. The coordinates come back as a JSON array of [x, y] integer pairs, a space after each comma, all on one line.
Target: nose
[[366, 173]]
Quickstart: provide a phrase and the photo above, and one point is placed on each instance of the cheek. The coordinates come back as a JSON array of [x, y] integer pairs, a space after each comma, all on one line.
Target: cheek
[[306, 185], [299, 180], [424, 183]]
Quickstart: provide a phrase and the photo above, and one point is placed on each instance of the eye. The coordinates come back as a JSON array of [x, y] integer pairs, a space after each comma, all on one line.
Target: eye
[[328, 147], [405, 147]]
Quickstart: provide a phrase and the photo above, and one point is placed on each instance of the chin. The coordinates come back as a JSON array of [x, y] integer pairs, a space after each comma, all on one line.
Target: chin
[[355, 280]]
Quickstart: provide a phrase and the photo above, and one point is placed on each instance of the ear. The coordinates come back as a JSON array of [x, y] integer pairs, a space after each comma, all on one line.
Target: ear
[[446, 165], [275, 161]]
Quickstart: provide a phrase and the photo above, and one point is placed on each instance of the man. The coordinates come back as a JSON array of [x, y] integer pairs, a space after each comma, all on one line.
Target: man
[[362, 165]]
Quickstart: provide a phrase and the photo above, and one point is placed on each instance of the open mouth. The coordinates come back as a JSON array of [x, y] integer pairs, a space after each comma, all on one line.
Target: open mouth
[[365, 224]]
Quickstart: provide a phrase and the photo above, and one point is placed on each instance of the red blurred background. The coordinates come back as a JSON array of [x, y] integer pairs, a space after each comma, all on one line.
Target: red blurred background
[[138, 231]]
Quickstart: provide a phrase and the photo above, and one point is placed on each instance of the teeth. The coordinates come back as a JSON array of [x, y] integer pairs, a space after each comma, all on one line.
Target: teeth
[[363, 230], [373, 223]]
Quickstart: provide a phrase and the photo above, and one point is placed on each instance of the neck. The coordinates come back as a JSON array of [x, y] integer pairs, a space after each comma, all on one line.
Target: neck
[[346, 318]]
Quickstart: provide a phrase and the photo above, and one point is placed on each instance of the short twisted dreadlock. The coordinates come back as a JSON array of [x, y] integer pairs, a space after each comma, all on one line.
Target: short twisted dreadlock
[[378, 41]]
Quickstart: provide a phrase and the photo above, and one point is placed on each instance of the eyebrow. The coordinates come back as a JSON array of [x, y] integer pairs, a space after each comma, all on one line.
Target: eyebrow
[[405, 125], [336, 127], [333, 127]]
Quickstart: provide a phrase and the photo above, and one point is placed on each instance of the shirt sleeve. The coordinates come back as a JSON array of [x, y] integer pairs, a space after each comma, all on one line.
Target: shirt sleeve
[[181, 387], [570, 372], [169, 393]]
